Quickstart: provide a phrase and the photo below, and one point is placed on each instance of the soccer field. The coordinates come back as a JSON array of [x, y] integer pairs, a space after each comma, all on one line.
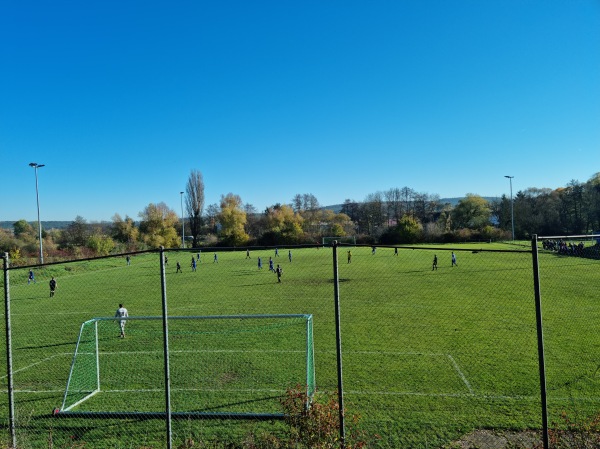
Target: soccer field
[[428, 355]]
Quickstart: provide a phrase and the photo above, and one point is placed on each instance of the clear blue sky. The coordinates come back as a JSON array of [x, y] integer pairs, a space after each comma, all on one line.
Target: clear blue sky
[[122, 99]]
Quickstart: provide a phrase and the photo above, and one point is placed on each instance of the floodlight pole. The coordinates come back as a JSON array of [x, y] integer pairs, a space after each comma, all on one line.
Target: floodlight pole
[[37, 195], [512, 210], [182, 223]]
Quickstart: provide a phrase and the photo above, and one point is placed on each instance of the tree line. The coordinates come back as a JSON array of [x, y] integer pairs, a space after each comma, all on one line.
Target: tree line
[[395, 216]]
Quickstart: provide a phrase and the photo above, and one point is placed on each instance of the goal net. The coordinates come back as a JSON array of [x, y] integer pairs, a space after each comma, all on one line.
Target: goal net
[[218, 366]]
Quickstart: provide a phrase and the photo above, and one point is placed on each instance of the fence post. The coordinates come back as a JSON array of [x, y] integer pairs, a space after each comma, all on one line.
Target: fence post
[[9, 368], [163, 285], [540, 339], [338, 339]]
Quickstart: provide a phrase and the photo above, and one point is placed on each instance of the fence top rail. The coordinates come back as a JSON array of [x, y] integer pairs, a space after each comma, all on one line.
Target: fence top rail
[[568, 237], [212, 249], [450, 247], [85, 259], [205, 317]]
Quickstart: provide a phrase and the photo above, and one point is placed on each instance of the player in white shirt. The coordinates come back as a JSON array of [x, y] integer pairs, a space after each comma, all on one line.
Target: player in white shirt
[[122, 313]]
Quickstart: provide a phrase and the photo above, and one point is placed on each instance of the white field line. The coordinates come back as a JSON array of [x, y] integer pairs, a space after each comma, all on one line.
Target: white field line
[[534, 398], [460, 373], [463, 395], [80, 313], [39, 363], [346, 392], [213, 390], [432, 354], [203, 351]]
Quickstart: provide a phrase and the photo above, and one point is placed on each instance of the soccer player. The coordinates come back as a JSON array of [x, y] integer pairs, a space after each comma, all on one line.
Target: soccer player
[[454, 260], [122, 313], [434, 266], [193, 264], [349, 256], [271, 267], [128, 260], [279, 272], [276, 252], [31, 277], [247, 253], [259, 263], [290, 255], [373, 250], [396, 251], [52, 286], [178, 268], [215, 259]]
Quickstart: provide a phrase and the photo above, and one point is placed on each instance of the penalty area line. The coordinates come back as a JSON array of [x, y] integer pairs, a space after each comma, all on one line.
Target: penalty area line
[[460, 374], [346, 392], [38, 363]]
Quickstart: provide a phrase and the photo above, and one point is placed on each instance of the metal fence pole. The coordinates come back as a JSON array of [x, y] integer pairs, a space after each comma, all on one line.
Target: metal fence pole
[[163, 284], [338, 339], [9, 368], [540, 339]]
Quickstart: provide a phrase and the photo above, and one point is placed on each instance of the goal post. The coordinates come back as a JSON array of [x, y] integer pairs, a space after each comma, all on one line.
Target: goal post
[[224, 366]]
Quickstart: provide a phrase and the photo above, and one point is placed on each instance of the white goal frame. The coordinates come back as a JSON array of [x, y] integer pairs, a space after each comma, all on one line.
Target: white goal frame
[[67, 410]]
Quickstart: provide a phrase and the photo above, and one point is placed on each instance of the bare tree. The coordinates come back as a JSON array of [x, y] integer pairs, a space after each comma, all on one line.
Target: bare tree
[[194, 204], [352, 209], [426, 206], [408, 195], [297, 203], [308, 206], [393, 200], [212, 211], [310, 202], [374, 213]]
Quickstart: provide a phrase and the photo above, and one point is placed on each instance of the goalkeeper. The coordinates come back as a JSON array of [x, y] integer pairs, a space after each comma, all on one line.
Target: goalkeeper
[[122, 313]]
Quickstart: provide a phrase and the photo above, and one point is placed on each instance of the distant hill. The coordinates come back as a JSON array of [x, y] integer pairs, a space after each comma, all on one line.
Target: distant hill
[[45, 224], [452, 201]]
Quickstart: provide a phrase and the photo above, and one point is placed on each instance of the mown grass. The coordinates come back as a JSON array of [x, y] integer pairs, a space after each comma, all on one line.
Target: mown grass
[[428, 355]]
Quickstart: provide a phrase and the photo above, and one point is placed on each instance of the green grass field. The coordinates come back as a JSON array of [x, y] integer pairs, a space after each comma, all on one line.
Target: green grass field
[[427, 355]]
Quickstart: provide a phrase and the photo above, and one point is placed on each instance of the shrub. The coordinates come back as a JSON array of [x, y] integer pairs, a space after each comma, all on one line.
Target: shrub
[[317, 426]]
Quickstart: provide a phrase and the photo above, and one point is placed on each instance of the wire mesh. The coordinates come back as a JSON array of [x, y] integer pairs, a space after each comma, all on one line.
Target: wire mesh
[[431, 352], [569, 275]]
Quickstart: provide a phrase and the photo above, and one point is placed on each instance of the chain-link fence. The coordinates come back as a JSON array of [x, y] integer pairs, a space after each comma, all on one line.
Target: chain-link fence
[[569, 270], [435, 342]]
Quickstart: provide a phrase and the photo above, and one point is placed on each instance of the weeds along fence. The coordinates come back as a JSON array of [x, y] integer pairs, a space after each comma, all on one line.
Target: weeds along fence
[[417, 355]]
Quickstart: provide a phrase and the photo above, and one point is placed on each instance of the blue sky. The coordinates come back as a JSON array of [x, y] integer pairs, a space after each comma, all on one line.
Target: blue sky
[[122, 99]]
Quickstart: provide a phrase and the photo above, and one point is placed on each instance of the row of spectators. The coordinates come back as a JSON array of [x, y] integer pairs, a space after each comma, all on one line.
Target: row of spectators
[[563, 247]]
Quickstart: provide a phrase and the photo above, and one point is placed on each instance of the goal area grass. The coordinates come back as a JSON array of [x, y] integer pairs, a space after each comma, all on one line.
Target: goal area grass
[[428, 355]]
